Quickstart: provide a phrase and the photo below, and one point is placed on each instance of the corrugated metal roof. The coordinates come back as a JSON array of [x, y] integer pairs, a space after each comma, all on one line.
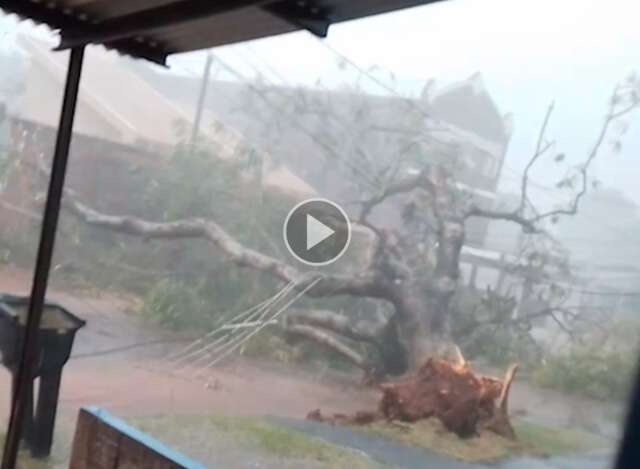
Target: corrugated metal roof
[[154, 29]]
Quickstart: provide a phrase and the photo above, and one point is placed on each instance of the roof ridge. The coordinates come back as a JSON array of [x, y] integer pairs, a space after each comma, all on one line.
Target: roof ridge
[[36, 46]]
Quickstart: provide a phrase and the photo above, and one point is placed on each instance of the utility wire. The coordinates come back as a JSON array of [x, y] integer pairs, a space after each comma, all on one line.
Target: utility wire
[[367, 178], [128, 347]]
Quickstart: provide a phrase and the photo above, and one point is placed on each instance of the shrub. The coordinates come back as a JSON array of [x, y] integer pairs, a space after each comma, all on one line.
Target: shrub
[[600, 366], [176, 306], [482, 326], [590, 371], [500, 346]]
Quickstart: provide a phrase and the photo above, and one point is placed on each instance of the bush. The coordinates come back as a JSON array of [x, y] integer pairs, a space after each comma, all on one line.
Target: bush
[[482, 326], [500, 346], [176, 306], [590, 371], [270, 344]]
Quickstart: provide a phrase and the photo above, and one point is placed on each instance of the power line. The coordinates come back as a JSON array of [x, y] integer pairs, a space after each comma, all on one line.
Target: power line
[[608, 293], [125, 348], [367, 178], [271, 69]]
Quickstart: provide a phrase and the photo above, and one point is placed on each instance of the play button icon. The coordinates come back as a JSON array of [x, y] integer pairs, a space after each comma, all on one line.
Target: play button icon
[[317, 232]]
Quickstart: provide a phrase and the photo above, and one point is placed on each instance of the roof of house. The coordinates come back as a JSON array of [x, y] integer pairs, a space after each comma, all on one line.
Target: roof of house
[[282, 117], [467, 105], [142, 115], [274, 123]]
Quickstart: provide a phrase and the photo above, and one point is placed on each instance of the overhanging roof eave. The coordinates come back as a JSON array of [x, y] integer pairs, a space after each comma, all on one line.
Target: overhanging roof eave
[[147, 28]]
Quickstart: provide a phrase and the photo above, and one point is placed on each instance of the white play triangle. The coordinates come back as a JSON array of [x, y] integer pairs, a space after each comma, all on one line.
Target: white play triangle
[[316, 231]]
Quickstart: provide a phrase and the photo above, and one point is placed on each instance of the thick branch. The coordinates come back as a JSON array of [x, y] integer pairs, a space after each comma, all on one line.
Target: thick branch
[[328, 340], [369, 331], [528, 225], [363, 284], [408, 184]]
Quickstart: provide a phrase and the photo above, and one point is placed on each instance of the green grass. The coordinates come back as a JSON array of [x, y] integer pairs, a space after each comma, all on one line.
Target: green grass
[[26, 462], [532, 439], [556, 441], [285, 443], [257, 437], [262, 439]]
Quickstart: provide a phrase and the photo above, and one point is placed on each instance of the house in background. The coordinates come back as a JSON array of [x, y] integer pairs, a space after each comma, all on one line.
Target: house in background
[[464, 113], [341, 140]]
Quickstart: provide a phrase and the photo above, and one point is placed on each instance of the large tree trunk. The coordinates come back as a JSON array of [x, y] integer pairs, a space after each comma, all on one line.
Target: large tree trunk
[[422, 323], [423, 307]]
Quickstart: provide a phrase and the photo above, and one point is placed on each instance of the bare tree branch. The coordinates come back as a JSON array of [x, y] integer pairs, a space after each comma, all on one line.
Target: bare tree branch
[[612, 115], [540, 150], [529, 226], [529, 223]]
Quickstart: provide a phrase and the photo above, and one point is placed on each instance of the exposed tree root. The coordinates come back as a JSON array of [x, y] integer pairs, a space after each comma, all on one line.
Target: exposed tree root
[[464, 401]]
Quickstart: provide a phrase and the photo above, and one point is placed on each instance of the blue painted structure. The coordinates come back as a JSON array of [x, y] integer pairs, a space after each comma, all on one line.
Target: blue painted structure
[[143, 438]]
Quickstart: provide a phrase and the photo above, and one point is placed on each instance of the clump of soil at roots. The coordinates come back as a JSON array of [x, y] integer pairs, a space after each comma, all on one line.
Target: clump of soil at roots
[[464, 401]]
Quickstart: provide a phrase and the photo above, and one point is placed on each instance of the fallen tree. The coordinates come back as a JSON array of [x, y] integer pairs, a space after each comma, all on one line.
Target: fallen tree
[[414, 269]]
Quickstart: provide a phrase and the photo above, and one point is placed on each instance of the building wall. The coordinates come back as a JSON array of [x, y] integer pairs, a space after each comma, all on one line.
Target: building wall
[[98, 170]]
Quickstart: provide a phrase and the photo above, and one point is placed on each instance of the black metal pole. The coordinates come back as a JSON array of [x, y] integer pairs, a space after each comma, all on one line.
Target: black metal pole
[[629, 450], [45, 416], [28, 356], [201, 97]]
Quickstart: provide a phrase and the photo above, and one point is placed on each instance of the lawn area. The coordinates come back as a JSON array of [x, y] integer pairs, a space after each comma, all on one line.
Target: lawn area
[[246, 441], [548, 441], [533, 439], [231, 439]]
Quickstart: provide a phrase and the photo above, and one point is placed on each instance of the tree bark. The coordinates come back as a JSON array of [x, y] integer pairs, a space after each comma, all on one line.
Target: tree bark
[[331, 342], [381, 336]]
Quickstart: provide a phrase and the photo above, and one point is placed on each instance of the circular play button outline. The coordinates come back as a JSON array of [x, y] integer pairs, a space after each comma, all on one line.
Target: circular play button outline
[[314, 220]]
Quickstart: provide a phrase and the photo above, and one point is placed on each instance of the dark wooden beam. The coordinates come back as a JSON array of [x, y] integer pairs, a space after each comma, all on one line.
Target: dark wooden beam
[[303, 14], [139, 23], [75, 20]]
